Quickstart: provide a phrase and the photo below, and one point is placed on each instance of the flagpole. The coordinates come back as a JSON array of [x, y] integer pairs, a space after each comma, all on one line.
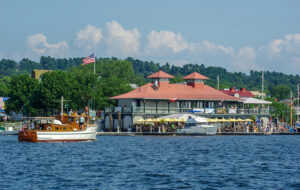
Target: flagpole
[[94, 63]]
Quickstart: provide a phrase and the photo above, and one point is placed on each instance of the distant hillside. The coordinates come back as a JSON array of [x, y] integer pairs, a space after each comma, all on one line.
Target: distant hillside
[[145, 68]]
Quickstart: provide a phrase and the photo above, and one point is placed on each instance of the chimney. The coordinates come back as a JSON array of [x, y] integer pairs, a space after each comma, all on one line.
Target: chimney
[[243, 89], [232, 89]]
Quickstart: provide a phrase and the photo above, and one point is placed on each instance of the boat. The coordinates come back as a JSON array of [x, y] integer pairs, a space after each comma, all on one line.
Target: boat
[[191, 126], [57, 129]]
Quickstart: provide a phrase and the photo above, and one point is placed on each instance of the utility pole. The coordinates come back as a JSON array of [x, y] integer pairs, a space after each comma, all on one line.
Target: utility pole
[[262, 83], [218, 82]]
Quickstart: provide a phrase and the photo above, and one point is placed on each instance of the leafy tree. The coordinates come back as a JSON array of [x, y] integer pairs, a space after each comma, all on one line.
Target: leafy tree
[[21, 95], [177, 79], [5, 86], [48, 63], [7, 67], [280, 91], [54, 85], [27, 65]]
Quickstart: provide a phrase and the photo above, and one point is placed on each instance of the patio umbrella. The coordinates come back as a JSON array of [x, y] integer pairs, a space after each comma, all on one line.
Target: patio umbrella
[[149, 120], [167, 120], [141, 120], [232, 120], [223, 120], [211, 120]]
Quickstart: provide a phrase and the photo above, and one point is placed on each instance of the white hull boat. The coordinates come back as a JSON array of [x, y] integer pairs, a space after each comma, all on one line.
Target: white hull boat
[[200, 129], [85, 135]]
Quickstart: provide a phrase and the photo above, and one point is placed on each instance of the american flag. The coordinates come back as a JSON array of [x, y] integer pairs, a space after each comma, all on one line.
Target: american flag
[[88, 59], [173, 99]]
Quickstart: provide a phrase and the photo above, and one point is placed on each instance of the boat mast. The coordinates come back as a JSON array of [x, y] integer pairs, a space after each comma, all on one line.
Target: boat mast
[[62, 107]]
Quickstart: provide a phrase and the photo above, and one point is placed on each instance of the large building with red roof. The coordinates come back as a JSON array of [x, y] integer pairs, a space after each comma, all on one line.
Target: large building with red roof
[[160, 97]]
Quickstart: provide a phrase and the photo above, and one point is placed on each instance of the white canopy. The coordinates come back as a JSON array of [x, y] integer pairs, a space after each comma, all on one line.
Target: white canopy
[[186, 116], [255, 101]]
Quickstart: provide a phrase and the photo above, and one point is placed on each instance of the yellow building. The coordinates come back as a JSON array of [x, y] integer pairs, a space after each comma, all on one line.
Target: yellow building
[[259, 94], [35, 73]]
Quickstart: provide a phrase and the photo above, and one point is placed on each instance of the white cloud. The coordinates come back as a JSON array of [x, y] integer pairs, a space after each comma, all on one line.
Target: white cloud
[[165, 39], [88, 37], [210, 47], [244, 60], [38, 44], [120, 41], [275, 47], [290, 44]]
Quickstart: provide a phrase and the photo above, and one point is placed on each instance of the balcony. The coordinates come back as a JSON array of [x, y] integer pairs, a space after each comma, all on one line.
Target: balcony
[[201, 111]]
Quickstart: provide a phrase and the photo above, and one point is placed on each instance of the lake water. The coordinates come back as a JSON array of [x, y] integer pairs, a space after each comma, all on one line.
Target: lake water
[[149, 162]]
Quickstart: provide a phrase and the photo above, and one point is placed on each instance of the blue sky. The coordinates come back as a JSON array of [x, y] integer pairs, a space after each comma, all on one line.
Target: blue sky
[[238, 35]]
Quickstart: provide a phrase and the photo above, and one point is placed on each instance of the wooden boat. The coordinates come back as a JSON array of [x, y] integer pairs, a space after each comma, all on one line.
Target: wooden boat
[[57, 129]]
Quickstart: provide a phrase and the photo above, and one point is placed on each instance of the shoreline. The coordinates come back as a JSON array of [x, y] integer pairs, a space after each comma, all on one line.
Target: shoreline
[[189, 134]]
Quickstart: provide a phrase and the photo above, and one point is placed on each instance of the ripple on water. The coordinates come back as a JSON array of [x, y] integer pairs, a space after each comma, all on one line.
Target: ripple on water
[[112, 162]]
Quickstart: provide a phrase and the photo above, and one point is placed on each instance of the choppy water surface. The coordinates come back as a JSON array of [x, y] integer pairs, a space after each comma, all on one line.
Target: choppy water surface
[[114, 162]]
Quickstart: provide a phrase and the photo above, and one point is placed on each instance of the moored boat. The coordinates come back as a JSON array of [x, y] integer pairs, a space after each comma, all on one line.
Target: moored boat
[[57, 129], [191, 126]]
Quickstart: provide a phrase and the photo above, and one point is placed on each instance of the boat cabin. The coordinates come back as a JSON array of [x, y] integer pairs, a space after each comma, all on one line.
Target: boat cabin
[[57, 123], [190, 122]]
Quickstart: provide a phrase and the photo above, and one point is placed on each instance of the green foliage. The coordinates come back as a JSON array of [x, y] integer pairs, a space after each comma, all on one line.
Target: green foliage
[[7, 67], [5, 86], [22, 94], [80, 85], [278, 109], [281, 91], [27, 65]]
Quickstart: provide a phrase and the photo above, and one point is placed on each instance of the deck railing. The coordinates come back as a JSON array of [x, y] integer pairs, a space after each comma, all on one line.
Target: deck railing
[[153, 110]]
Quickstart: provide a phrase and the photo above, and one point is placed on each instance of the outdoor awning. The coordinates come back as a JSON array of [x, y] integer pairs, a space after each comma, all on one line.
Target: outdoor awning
[[185, 117], [255, 101]]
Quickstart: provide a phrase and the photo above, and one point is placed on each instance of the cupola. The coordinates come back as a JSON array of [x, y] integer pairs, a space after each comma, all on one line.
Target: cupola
[[160, 79], [195, 80]]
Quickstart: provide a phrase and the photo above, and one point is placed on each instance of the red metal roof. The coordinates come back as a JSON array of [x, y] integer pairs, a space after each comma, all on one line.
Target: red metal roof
[[195, 75], [243, 93], [160, 74], [180, 91]]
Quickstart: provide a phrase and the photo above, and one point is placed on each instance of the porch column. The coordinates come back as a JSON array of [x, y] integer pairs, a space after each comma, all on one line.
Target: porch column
[[156, 106], [168, 106]]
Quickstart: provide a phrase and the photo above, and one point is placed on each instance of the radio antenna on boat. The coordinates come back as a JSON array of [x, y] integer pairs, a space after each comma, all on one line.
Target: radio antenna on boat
[[62, 105]]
